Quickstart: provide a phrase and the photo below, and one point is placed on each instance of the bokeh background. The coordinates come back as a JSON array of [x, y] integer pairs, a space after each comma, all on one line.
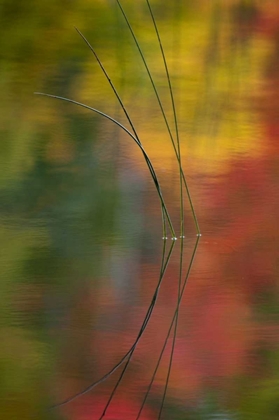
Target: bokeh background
[[80, 221]]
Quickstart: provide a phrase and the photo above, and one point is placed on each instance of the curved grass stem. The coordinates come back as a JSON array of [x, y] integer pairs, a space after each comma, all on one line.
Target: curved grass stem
[[176, 148], [166, 219], [169, 330], [147, 160], [133, 347], [162, 272], [165, 213]]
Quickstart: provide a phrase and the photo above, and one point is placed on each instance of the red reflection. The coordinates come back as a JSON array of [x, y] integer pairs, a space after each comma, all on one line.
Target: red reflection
[[120, 409]]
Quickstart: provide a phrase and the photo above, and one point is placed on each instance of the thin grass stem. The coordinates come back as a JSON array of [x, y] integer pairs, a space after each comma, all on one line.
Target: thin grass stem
[[181, 173], [110, 82], [170, 327], [124, 110], [175, 329], [161, 107], [162, 272], [166, 220], [133, 347], [178, 156], [148, 162], [174, 115]]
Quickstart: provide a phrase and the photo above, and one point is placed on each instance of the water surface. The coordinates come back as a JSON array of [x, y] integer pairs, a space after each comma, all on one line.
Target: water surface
[[81, 224]]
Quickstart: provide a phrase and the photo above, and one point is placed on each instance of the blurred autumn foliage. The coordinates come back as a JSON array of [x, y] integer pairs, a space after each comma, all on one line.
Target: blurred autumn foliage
[[80, 222]]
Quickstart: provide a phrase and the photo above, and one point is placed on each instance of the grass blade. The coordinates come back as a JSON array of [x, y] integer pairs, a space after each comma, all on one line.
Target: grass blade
[[133, 347], [125, 112], [164, 265], [148, 162], [161, 105], [170, 328]]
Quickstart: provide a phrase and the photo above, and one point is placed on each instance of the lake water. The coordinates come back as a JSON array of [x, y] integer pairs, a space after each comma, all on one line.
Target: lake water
[[84, 265]]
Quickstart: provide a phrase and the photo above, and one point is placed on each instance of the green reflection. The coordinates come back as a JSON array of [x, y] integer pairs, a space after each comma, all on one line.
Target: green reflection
[[63, 208]]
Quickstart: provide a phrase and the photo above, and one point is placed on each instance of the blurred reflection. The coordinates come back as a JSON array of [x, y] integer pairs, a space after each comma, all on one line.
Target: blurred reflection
[[80, 219]]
